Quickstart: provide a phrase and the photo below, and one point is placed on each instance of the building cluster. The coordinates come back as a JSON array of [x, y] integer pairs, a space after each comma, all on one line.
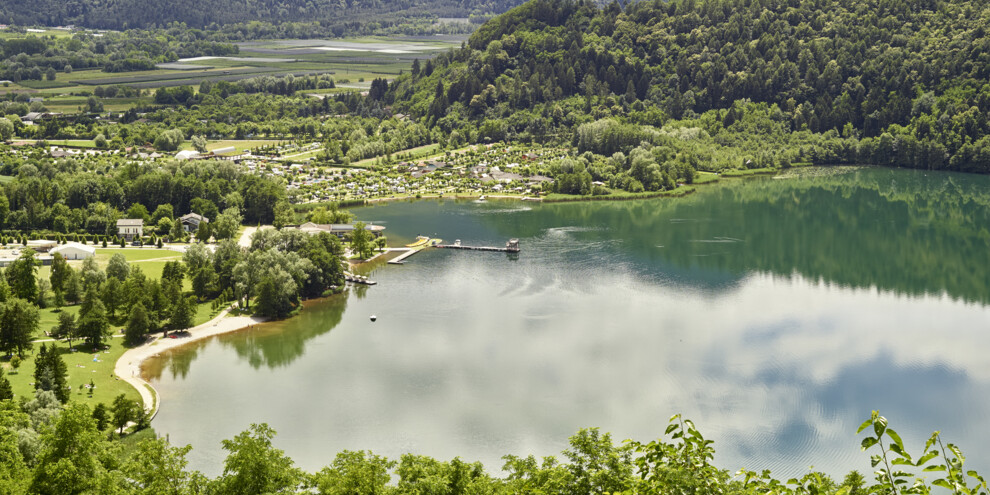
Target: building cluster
[[45, 251], [484, 170], [130, 229], [478, 170]]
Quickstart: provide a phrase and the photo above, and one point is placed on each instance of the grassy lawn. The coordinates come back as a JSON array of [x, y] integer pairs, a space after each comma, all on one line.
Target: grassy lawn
[[326, 91], [298, 157], [204, 313], [81, 369], [74, 143], [58, 33], [705, 177], [129, 442], [103, 255], [48, 318], [238, 144], [81, 365], [153, 269], [411, 154]]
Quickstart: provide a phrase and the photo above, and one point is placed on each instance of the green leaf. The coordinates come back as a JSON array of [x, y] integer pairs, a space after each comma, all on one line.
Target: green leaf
[[864, 425], [925, 458], [895, 437], [937, 467], [868, 442], [880, 426], [942, 483], [898, 450], [955, 450]]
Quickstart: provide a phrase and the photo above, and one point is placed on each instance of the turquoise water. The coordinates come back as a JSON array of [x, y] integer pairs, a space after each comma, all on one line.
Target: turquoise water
[[774, 312]]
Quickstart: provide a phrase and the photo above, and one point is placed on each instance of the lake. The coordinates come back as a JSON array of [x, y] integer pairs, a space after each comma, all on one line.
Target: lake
[[774, 312]]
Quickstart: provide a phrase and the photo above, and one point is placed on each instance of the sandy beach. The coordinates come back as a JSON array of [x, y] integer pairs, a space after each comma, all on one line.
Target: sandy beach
[[128, 367]]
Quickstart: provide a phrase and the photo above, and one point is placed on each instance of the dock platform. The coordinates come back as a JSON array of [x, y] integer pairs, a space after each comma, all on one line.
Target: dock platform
[[421, 243], [510, 247], [358, 279], [398, 259]]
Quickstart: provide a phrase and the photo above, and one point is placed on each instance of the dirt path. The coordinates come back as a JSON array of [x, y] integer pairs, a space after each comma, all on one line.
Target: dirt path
[[245, 240]]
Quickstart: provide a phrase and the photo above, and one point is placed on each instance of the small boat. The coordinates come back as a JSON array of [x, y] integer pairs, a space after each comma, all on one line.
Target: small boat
[[373, 317]]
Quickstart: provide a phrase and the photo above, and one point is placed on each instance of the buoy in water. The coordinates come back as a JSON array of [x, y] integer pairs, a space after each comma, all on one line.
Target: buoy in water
[[373, 317]]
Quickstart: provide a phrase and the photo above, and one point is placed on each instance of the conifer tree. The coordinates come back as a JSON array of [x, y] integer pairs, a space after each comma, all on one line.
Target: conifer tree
[[138, 325], [6, 392], [94, 326]]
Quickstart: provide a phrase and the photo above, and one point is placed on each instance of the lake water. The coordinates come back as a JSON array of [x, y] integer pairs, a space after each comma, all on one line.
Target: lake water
[[774, 312]]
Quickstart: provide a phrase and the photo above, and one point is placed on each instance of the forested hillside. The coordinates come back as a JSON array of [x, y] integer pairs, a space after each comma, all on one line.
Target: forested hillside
[[889, 82], [129, 14]]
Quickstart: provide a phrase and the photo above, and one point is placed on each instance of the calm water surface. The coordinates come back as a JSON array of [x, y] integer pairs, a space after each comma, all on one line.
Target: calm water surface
[[776, 313]]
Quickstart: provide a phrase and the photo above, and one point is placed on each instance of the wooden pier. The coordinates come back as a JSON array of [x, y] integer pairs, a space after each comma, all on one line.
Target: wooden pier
[[510, 247], [398, 260], [422, 242]]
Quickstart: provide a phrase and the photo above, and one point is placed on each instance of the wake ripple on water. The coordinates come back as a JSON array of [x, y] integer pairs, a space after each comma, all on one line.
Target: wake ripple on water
[[718, 240], [573, 228], [493, 211]]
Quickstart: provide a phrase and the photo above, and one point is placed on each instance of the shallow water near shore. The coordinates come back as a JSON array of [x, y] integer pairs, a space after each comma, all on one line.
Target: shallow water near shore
[[774, 313]]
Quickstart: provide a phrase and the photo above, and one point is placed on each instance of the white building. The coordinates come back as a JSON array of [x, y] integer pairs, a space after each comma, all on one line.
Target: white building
[[191, 221], [187, 155], [129, 228], [74, 251]]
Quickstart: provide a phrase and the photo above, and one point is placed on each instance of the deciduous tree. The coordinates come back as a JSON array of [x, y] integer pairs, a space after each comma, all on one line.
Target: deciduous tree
[[118, 267], [21, 276], [254, 466]]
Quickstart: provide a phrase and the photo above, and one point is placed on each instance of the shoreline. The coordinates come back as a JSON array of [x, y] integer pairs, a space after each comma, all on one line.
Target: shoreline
[[128, 366]]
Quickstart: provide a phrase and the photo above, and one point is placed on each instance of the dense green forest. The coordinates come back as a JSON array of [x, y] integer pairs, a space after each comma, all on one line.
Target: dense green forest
[[329, 14], [890, 83], [646, 94], [89, 196]]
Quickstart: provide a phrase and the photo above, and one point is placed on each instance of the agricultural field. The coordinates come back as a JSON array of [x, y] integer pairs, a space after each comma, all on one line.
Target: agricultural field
[[353, 62], [182, 74], [58, 33]]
